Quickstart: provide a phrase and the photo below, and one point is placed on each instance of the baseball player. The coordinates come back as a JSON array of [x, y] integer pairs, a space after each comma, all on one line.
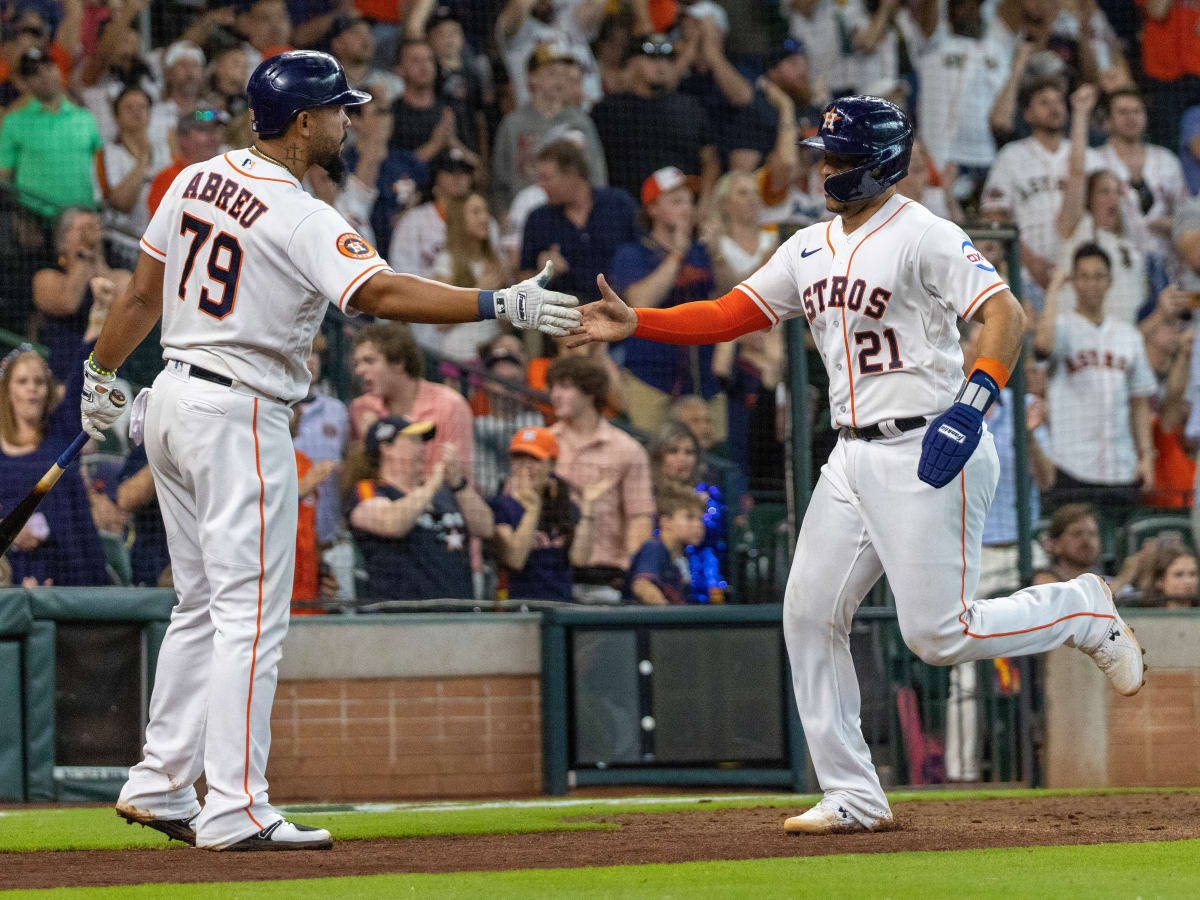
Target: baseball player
[[240, 262], [907, 487]]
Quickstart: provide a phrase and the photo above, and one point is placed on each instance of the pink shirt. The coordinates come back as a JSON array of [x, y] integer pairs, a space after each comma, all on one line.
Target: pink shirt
[[436, 403], [608, 453]]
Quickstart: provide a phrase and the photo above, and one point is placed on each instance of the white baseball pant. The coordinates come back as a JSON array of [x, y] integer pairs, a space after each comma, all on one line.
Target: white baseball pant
[[225, 472], [869, 514]]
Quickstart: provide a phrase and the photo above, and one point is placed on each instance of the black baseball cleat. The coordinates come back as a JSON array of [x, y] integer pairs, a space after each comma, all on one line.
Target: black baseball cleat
[[285, 835], [176, 829]]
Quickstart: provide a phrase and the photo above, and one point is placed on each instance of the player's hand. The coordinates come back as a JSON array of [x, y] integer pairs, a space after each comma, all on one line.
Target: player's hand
[[101, 403], [949, 441], [529, 305], [607, 320]]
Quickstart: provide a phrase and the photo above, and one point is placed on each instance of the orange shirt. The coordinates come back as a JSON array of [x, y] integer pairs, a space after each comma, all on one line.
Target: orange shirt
[[663, 14], [306, 580], [1171, 45], [162, 181], [384, 10], [1174, 471]]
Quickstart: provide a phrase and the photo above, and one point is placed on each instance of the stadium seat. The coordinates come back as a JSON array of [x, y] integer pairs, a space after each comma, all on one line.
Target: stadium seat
[[1152, 524]]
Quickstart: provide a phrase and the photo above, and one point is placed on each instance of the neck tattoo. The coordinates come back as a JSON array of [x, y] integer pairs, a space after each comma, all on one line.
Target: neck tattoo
[[267, 157]]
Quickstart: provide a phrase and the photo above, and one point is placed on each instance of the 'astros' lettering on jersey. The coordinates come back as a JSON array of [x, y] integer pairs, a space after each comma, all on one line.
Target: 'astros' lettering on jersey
[[882, 304], [251, 261]]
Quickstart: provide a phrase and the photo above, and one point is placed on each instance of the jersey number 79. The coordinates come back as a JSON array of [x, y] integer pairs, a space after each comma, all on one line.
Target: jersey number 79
[[223, 269]]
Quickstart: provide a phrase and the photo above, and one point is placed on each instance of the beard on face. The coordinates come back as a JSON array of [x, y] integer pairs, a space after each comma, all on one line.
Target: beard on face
[[332, 161]]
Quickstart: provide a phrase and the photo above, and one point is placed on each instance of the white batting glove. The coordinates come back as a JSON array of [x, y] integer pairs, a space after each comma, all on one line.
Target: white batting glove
[[102, 402], [529, 305]]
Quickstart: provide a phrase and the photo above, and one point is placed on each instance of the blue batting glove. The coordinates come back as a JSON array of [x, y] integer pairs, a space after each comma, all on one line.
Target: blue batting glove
[[952, 437]]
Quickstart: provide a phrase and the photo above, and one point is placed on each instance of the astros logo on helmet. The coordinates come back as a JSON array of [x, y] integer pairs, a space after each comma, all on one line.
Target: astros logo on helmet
[[876, 131]]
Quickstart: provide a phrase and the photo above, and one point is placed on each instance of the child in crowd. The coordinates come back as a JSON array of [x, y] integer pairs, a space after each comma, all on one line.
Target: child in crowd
[[540, 532], [660, 574]]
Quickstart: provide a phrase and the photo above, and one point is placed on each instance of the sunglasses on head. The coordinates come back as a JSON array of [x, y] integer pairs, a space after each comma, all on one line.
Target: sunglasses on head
[[658, 48]]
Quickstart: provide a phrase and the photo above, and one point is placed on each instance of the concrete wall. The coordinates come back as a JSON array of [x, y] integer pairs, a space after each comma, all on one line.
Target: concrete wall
[[407, 707], [1096, 738]]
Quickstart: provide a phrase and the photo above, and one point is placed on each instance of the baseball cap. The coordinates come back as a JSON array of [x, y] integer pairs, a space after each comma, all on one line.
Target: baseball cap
[[204, 117], [666, 179], [439, 16], [452, 159], [385, 430], [649, 45], [182, 50], [535, 442], [790, 47], [544, 54]]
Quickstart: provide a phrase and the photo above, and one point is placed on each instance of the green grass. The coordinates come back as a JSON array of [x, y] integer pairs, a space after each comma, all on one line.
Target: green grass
[[1167, 869], [99, 828]]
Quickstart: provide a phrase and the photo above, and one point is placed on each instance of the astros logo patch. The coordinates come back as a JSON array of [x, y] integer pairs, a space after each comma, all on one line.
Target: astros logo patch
[[830, 118], [353, 246], [975, 258]]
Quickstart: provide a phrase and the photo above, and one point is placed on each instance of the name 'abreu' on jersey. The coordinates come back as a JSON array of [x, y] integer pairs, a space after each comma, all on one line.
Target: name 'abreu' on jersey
[[251, 260]]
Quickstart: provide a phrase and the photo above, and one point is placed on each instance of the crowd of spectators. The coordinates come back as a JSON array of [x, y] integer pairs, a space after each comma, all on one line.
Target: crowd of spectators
[[654, 144]]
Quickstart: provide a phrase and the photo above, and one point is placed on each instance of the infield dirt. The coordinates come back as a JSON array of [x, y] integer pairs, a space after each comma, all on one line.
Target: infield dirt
[[701, 834]]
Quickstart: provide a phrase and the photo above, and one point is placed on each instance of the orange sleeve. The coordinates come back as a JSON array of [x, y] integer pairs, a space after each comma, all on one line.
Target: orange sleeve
[[703, 321]]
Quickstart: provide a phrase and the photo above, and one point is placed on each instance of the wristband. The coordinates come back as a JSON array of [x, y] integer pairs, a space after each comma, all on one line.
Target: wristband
[[98, 369], [490, 306], [995, 368], [979, 391]]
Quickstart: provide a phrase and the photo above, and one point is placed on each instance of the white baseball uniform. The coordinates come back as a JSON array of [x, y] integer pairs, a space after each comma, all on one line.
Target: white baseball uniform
[[882, 304], [1094, 372], [1028, 180], [960, 78], [250, 259]]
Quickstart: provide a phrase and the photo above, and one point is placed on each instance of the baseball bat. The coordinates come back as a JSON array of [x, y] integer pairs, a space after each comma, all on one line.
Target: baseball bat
[[15, 520]]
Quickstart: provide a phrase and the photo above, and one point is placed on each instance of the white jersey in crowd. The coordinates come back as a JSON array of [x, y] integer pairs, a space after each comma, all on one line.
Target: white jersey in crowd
[[960, 79], [1130, 288], [251, 262], [828, 36], [113, 163], [568, 31], [1163, 174], [882, 305], [1027, 180], [1094, 371]]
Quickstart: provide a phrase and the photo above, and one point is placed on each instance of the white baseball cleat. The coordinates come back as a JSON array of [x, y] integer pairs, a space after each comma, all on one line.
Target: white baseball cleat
[[1119, 655], [830, 816], [285, 835]]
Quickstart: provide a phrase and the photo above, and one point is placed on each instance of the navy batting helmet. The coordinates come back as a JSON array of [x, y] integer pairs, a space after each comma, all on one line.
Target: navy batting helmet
[[287, 84], [868, 127]]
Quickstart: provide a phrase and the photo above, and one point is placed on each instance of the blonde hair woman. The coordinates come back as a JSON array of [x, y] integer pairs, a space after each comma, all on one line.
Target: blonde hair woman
[[737, 242], [469, 260]]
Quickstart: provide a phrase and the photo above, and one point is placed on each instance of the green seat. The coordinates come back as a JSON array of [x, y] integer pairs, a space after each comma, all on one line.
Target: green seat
[[1155, 524]]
